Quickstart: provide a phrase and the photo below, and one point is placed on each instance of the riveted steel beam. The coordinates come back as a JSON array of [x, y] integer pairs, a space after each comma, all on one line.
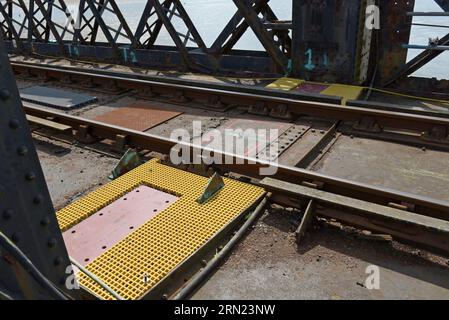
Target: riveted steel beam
[[27, 216]]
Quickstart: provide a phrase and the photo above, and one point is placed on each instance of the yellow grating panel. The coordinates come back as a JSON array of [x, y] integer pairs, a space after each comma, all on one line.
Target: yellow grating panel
[[285, 84], [344, 91], [168, 239]]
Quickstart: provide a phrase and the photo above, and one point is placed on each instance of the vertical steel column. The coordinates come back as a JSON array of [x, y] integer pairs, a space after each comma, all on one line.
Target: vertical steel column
[[395, 28], [27, 216], [297, 48], [326, 39]]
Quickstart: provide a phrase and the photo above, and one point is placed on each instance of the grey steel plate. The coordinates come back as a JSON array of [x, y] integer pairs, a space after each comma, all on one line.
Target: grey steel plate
[[56, 98]]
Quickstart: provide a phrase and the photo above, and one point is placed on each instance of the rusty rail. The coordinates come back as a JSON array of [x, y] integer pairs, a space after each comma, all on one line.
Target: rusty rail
[[283, 104], [250, 167]]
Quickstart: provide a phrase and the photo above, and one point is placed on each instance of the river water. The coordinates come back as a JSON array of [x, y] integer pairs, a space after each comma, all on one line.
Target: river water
[[210, 16]]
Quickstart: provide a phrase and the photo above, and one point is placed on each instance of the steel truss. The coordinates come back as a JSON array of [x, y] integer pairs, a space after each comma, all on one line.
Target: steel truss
[[48, 27], [325, 40]]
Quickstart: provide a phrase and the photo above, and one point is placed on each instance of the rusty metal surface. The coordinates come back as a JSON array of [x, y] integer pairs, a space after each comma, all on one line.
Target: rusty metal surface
[[101, 231], [326, 36], [395, 30], [138, 117]]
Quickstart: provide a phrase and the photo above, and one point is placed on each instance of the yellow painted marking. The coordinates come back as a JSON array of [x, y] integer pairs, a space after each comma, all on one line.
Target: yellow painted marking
[[345, 91], [162, 243], [285, 84]]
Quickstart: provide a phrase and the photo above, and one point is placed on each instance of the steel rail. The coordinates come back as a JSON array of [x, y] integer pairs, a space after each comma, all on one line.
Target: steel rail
[[196, 90], [163, 81], [251, 167]]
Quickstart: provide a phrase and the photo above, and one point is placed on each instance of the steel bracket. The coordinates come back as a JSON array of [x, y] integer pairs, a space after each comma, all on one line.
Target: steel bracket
[[259, 108], [368, 124], [281, 111], [83, 135], [438, 134]]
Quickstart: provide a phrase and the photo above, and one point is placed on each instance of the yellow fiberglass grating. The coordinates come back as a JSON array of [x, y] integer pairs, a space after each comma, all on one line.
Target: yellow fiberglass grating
[[285, 84], [137, 263], [347, 92]]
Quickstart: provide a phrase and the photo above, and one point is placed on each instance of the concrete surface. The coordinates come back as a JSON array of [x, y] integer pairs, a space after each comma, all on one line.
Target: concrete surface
[[329, 264], [387, 164], [71, 171]]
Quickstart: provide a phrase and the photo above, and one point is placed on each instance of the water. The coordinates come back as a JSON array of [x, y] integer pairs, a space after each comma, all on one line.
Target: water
[[210, 16], [438, 67]]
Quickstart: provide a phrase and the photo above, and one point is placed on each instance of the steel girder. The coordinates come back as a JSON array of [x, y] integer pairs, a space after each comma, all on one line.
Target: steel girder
[[27, 216], [327, 40], [444, 4]]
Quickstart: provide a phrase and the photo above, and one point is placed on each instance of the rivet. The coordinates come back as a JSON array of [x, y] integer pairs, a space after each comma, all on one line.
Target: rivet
[[14, 124], [52, 242], [5, 94], [57, 261], [30, 176], [45, 221], [15, 237], [7, 214], [38, 199], [22, 150]]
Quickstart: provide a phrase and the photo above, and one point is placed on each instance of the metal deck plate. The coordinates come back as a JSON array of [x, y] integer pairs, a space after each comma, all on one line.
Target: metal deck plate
[[55, 98], [93, 236], [162, 243], [138, 117], [252, 148]]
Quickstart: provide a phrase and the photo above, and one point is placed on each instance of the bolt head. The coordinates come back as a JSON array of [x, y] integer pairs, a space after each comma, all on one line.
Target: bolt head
[[57, 261], [14, 124], [38, 199], [5, 94], [7, 214], [30, 176], [52, 242], [22, 150], [45, 221], [15, 237]]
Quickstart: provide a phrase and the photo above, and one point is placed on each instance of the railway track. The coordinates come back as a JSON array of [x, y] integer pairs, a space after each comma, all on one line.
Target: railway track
[[419, 220], [418, 128]]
